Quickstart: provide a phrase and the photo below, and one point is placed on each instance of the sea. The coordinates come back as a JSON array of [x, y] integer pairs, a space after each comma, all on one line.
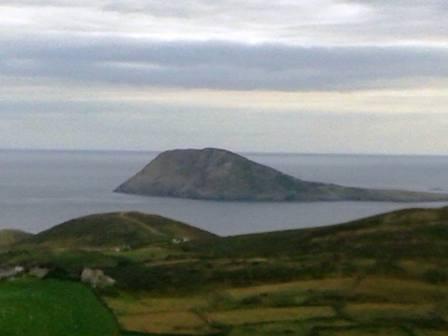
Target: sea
[[39, 189]]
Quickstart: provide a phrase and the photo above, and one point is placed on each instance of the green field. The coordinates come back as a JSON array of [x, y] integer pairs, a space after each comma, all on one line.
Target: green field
[[372, 305], [52, 308]]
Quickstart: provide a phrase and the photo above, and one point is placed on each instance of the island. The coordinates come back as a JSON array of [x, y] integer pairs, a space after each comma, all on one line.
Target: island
[[221, 175]]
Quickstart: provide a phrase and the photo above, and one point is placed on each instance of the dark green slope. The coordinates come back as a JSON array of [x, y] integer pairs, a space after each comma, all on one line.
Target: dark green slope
[[419, 232], [122, 229]]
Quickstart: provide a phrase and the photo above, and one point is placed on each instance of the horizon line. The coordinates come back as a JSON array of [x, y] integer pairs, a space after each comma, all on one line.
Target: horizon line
[[248, 152]]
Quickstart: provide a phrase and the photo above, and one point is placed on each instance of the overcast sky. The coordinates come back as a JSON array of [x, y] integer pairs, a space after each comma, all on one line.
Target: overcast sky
[[334, 76]]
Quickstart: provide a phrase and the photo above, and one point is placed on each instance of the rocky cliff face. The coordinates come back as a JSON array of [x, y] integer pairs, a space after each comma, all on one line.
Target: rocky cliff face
[[216, 174]]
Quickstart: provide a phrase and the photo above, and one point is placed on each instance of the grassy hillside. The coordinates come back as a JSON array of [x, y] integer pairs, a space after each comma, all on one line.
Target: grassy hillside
[[380, 245], [52, 308], [384, 275], [117, 230], [10, 237], [411, 232]]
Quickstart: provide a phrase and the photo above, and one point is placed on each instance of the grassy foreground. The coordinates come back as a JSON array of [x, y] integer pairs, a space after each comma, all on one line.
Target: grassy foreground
[[331, 306], [52, 308], [384, 275]]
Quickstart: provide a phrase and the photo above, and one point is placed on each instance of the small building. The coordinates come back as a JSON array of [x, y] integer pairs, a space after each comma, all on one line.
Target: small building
[[96, 278], [8, 273]]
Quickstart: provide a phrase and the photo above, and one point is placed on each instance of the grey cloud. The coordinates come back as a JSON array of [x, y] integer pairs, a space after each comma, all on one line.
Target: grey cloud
[[47, 3], [185, 7], [418, 19], [380, 21], [160, 8], [318, 22], [218, 65]]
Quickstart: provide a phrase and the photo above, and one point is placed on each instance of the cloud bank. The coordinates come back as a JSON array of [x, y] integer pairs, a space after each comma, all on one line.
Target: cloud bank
[[221, 65], [92, 68]]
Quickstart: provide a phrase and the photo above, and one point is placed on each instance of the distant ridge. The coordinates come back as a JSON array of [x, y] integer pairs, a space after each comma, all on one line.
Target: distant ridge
[[416, 232], [10, 237], [221, 175]]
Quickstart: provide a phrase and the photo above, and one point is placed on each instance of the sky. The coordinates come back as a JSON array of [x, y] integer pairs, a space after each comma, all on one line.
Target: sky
[[321, 76]]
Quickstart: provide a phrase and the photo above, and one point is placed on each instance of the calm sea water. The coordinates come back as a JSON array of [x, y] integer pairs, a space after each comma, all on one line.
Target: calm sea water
[[39, 189]]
